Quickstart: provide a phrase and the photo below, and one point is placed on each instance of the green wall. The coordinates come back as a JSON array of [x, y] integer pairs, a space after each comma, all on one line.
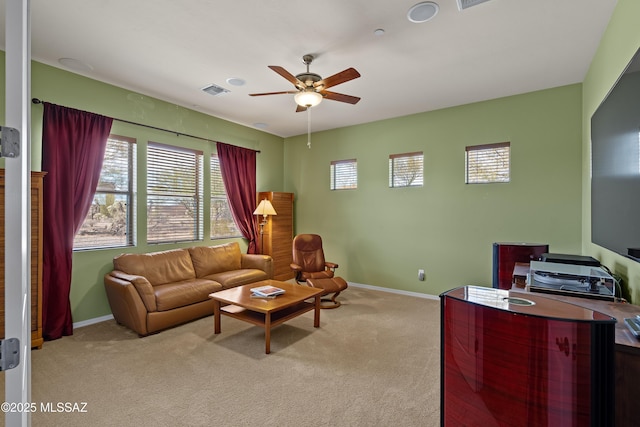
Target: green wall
[[382, 236], [619, 43], [88, 298]]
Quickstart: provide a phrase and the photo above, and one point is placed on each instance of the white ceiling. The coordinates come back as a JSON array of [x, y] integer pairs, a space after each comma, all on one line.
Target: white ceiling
[[170, 50]]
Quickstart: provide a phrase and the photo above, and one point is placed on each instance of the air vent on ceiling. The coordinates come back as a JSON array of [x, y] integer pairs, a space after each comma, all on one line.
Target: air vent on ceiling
[[465, 4], [215, 90]]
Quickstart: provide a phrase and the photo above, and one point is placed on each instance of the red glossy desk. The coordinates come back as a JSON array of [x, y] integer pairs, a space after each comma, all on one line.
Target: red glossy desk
[[511, 359]]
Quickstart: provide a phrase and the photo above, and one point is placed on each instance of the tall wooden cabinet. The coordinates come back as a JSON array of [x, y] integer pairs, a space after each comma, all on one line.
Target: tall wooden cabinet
[[277, 239], [36, 257]]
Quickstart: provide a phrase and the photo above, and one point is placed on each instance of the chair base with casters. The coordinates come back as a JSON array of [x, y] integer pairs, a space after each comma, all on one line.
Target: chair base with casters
[[333, 285]]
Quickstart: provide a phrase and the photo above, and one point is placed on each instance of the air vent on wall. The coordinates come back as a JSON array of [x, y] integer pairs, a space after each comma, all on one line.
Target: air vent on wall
[[465, 4], [215, 90]]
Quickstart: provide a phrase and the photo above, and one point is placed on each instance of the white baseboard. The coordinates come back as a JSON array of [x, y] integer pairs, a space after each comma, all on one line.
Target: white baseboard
[[92, 321], [355, 285], [394, 291]]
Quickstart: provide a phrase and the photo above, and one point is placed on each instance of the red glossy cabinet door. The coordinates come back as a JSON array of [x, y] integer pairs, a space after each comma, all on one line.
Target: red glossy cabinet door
[[509, 360]]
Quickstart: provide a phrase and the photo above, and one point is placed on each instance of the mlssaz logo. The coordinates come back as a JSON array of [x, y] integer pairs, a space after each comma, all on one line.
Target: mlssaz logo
[[63, 407]]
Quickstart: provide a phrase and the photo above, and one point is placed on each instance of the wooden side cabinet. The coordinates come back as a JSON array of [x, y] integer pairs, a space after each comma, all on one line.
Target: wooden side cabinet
[[36, 257], [277, 239]]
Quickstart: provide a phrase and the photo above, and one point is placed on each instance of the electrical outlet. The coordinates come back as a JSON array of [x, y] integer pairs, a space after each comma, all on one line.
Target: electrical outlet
[[421, 275]]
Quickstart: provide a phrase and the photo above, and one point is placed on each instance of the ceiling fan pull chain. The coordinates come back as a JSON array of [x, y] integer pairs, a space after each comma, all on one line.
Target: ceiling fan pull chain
[[309, 127]]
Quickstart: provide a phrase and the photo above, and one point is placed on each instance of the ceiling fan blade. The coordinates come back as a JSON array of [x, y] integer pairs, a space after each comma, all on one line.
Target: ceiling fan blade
[[287, 75], [273, 93], [340, 97], [336, 79]]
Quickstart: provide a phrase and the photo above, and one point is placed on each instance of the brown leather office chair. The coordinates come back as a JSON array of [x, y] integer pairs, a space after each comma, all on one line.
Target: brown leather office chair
[[312, 269]]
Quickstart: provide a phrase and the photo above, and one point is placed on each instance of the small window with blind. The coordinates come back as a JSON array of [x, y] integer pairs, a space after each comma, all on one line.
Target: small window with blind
[[222, 223], [406, 170], [110, 219], [488, 163], [344, 174], [174, 194]]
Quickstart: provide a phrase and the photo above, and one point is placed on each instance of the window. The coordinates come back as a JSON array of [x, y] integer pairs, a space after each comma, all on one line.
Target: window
[[174, 194], [344, 174], [222, 223], [109, 222], [406, 170], [488, 163]]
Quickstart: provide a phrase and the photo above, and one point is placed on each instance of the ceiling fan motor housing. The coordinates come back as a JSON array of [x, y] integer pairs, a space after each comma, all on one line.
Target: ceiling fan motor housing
[[309, 79]]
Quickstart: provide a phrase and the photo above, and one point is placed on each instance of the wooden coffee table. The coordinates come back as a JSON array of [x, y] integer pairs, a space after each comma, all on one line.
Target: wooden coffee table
[[266, 313]]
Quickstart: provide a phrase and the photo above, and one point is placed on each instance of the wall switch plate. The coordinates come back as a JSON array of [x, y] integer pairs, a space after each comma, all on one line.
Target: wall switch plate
[[421, 274]]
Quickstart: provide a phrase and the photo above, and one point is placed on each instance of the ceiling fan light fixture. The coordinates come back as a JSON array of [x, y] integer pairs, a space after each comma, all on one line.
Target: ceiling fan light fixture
[[307, 98]]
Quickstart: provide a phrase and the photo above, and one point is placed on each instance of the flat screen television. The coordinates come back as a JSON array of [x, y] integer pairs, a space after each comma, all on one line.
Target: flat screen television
[[615, 166]]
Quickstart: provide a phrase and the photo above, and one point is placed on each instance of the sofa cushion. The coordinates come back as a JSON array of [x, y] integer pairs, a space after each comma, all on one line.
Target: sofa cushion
[[180, 294], [158, 267], [230, 279], [215, 259]]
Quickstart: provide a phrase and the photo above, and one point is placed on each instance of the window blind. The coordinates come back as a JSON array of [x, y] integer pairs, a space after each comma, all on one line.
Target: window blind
[[344, 174], [109, 221], [406, 170], [174, 194], [222, 223], [488, 163]]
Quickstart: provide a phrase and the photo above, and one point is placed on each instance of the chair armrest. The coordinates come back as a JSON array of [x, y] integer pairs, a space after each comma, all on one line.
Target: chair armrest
[[295, 267], [259, 262], [331, 265]]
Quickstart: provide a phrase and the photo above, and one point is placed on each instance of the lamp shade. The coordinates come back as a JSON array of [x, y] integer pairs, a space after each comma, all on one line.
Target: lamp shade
[[307, 98], [265, 208]]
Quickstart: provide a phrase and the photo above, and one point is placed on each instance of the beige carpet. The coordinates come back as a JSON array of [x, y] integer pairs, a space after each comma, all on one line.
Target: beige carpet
[[374, 361]]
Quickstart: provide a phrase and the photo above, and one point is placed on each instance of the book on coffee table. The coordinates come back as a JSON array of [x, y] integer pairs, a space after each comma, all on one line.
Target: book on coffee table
[[267, 291]]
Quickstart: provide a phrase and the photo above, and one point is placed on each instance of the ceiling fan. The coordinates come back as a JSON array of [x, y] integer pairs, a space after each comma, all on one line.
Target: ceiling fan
[[311, 88]]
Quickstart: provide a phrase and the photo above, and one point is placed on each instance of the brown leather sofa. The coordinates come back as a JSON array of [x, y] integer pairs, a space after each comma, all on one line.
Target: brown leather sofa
[[154, 291]]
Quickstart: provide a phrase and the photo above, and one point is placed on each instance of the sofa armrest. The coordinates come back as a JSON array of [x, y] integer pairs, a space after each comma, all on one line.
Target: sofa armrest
[[126, 304], [260, 262], [141, 284]]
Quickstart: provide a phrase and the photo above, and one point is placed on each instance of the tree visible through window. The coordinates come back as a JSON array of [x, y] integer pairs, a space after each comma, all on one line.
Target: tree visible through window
[[488, 163], [344, 174], [406, 170], [222, 223], [109, 222], [174, 194]]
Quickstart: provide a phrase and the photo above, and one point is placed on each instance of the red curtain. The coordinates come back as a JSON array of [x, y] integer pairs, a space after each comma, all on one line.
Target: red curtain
[[238, 170], [73, 145]]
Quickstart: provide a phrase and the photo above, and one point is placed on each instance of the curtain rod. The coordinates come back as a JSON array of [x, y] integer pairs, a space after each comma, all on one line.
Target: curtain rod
[[38, 101]]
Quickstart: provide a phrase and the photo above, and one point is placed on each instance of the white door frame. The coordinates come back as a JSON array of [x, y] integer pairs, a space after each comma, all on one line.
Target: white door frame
[[17, 201]]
